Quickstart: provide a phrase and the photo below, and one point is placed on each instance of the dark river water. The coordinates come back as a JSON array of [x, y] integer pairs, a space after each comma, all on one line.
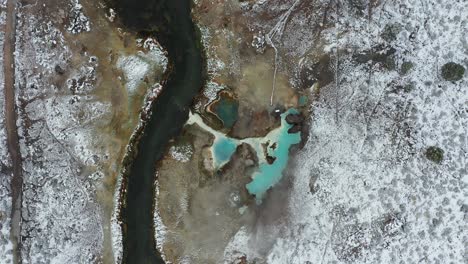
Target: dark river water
[[170, 22]]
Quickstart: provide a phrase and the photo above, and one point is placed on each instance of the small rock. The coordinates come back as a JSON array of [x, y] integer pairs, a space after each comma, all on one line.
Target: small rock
[[276, 113], [59, 70], [270, 159], [259, 42], [249, 162], [313, 187], [464, 208], [295, 119]]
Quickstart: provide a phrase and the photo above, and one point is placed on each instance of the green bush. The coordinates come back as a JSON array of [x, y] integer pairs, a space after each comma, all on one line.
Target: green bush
[[389, 63], [434, 154], [391, 31], [453, 71], [378, 54], [408, 87], [406, 67]]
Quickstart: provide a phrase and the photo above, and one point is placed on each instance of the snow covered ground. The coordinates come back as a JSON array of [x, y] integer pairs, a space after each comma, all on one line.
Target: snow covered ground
[[363, 189], [142, 65], [66, 99], [61, 218]]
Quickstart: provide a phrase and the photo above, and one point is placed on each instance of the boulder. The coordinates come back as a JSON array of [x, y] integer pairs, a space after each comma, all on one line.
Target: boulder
[[295, 119]]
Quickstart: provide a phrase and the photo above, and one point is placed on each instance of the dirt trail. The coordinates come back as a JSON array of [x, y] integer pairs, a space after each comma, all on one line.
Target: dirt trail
[[12, 131]]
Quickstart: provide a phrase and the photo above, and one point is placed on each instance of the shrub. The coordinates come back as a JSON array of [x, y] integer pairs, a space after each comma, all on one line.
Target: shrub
[[406, 67], [389, 63], [378, 54], [391, 31], [434, 154], [453, 71], [408, 87]]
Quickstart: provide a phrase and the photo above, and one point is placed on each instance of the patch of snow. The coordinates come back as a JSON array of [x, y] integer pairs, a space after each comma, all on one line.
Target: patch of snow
[[160, 228], [116, 228], [2, 16], [210, 91], [44, 36], [214, 64], [134, 69], [6, 246], [259, 42], [137, 67], [181, 153], [111, 15], [79, 22], [60, 151]]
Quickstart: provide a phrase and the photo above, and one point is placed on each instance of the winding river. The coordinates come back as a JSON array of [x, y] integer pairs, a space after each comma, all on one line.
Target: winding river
[[171, 23]]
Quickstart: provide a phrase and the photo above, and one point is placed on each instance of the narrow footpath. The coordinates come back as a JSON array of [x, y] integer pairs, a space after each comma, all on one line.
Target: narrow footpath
[[12, 131]]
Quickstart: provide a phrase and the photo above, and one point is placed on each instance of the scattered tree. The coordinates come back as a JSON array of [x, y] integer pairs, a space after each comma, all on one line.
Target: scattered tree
[[434, 154]]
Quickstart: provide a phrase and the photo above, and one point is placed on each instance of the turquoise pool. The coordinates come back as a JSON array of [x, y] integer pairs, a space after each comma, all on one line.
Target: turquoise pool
[[270, 174], [223, 148], [227, 110]]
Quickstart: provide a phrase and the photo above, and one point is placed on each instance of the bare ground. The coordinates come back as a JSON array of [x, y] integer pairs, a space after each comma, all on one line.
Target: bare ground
[[12, 131]]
